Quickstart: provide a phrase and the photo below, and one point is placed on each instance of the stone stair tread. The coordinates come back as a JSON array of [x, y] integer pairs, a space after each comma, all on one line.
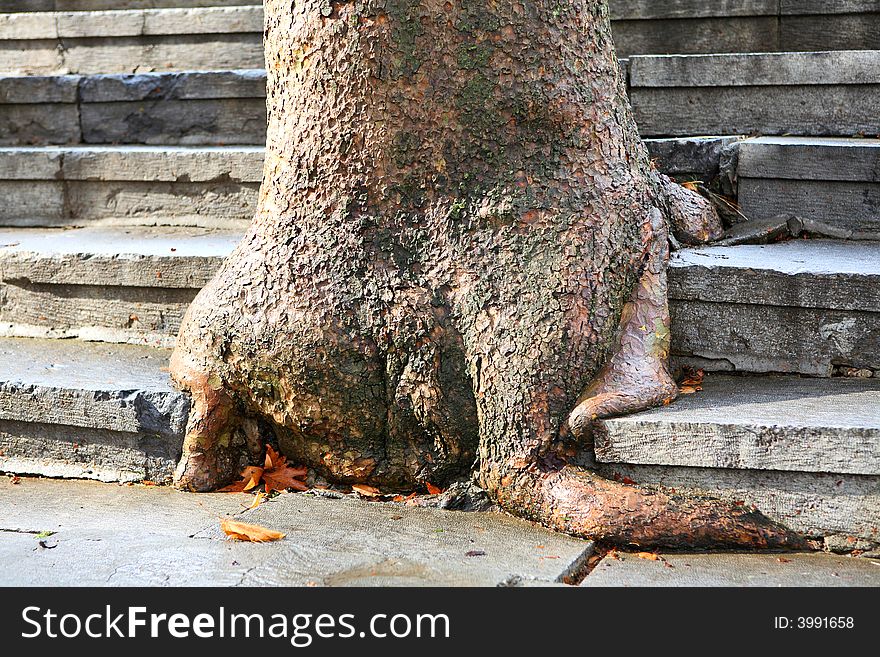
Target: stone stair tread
[[168, 242], [762, 423], [130, 22], [829, 67], [88, 410], [805, 273], [78, 365], [796, 256]]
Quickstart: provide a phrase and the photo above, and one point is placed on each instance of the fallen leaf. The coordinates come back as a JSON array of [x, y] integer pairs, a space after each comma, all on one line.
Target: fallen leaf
[[284, 479], [650, 556], [432, 489], [401, 498], [15, 479], [692, 382], [273, 458], [475, 553], [783, 560], [250, 478], [147, 482], [366, 491], [241, 531], [259, 498]]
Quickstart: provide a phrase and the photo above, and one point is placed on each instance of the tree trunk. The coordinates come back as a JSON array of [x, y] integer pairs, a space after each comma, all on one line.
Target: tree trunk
[[458, 262]]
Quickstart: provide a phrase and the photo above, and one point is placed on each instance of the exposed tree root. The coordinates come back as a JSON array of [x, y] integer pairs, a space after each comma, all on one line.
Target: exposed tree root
[[578, 502]]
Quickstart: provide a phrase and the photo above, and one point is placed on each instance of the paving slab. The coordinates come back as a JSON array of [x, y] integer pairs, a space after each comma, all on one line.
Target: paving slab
[[101, 411], [155, 536], [722, 569], [814, 273], [756, 423]]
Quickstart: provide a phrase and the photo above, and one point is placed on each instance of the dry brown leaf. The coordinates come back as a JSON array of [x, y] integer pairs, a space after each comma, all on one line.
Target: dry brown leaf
[[650, 556], [259, 498], [283, 479], [692, 382], [250, 478], [241, 531], [366, 491], [274, 460], [432, 489]]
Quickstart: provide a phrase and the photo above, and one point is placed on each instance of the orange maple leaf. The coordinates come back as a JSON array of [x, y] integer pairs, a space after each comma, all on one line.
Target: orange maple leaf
[[432, 489], [275, 475]]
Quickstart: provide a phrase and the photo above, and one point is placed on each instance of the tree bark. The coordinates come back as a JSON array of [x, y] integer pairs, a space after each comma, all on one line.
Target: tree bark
[[458, 262]]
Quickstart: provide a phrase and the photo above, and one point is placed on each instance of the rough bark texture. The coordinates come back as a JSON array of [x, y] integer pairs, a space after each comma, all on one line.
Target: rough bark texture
[[460, 239]]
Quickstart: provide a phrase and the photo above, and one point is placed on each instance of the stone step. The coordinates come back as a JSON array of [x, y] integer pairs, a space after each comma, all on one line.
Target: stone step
[[131, 41], [95, 411], [113, 285], [103, 5], [187, 108], [183, 36], [129, 185], [836, 181], [783, 423], [801, 306], [812, 93], [209, 186], [697, 26]]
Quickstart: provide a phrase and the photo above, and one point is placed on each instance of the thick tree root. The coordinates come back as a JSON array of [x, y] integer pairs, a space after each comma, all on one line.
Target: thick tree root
[[212, 450], [580, 503], [636, 377]]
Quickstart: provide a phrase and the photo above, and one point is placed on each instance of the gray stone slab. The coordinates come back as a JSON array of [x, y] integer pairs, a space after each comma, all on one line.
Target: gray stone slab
[[133, 54], [138, 257], [130, 185], [689, 157], [131, 22], [70, 408], [846, 31], [116, 285], [810, 158], [647, 9], [844, 110], [186, 122], [695, 26], [110, 535], [851, 67], [755, 423], [190, 85], [22, 124], [766, 570], [815, 273], [698, 35], [93, 5], [749, 337], [39, 89], [817, 504], [189, 108], [119, 387], [850, 206]]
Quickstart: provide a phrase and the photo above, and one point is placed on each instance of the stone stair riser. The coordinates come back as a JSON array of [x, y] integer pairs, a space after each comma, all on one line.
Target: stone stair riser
[[696, 26], [817, 504], [104, 5], [215, 188], [193, 108]]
